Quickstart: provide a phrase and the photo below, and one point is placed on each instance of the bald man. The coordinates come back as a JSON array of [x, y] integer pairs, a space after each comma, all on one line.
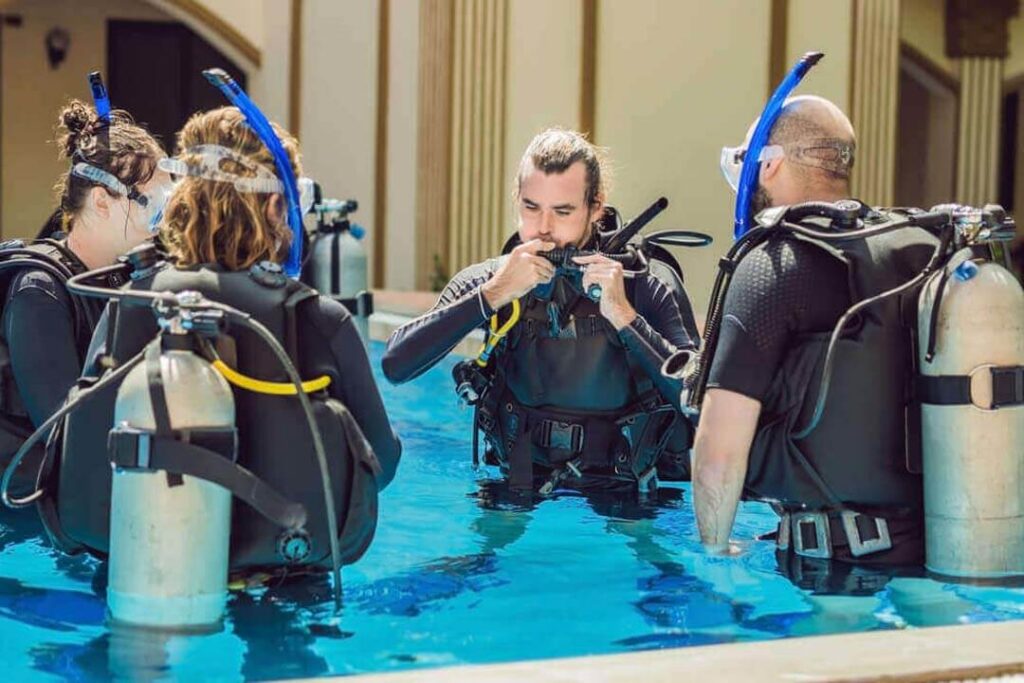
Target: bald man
[[785, 291]]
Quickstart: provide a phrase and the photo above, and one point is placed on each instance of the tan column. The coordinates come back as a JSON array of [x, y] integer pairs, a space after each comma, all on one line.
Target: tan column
[[433, 156], [874, 96], [981, 102], [977, 34], [478, 188]]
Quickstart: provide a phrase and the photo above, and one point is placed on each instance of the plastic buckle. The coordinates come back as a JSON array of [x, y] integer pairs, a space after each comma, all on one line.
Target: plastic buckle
[[1007, 386], [567, 436], [858, 545], [818, 522], [129, 448]]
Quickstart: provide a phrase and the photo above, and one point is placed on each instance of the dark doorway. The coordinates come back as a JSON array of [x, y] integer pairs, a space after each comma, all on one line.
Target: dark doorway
[[155, 72]]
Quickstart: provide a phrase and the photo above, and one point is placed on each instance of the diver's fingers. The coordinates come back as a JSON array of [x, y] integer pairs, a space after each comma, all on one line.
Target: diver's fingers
[[535, 245], [591, 259]]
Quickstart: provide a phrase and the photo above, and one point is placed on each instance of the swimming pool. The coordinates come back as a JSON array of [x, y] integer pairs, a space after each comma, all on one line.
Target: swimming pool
[[460, 572]]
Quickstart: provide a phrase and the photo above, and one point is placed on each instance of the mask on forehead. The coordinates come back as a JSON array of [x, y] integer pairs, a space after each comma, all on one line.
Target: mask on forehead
[[217, 163]]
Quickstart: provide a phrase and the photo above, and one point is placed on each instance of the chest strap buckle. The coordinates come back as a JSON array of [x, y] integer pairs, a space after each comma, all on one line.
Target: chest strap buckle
[[566, 436]]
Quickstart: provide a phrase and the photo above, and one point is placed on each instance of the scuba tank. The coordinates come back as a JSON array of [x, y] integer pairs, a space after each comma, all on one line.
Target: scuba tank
[[169, 534], [337, 262], [971, 360]]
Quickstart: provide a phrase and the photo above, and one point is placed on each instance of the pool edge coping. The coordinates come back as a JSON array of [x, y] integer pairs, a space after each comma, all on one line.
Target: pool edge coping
[[917, 655]]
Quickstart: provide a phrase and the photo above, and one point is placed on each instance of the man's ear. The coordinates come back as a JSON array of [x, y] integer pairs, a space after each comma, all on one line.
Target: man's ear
[[770, 168], [597, 209]]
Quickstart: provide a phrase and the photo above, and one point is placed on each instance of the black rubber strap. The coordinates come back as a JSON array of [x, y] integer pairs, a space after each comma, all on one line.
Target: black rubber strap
[[179, 458], [157, 397], [291, 319], [955, 390], [335, 263], [520, 458]]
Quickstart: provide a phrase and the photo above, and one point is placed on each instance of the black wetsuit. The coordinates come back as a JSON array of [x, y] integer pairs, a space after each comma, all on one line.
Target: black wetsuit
[[656, 333], [781, 290], [39, 328]]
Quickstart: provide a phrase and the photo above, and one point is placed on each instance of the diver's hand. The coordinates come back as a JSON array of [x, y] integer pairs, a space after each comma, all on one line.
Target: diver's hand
[[522, 271], [608, 275]]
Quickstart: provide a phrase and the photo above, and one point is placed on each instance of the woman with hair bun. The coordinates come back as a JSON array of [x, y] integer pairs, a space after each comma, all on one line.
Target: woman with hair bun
[[110, 200]]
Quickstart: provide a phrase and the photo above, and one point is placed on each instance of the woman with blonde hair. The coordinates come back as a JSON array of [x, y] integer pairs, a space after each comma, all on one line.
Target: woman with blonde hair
[[226, 232]]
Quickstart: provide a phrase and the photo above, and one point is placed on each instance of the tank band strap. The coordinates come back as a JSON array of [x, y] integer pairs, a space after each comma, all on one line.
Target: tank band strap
[[212, 461], [1007, 384]]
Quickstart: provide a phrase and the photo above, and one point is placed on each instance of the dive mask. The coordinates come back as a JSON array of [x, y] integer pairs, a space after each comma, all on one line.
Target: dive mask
[[733, 157], [152, 201], [215, 162]]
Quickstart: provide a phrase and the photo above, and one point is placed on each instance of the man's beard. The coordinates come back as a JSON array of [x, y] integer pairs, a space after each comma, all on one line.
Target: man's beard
[[760, 201]]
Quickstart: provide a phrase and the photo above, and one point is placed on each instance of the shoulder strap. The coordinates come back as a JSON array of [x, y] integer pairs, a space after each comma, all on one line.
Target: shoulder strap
[[291, 322]]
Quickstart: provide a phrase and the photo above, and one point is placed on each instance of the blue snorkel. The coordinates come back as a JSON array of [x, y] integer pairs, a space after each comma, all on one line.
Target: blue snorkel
[[261, 126], [751, 161], [99, 96]]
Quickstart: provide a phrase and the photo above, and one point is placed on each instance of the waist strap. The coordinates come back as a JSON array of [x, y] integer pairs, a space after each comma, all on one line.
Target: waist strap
[[818, 534]]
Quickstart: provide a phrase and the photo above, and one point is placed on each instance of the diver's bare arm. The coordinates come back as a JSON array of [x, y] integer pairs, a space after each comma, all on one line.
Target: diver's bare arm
[[721, 450]]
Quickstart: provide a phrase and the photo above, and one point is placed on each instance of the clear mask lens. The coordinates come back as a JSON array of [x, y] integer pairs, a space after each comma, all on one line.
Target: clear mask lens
[[732, 159]]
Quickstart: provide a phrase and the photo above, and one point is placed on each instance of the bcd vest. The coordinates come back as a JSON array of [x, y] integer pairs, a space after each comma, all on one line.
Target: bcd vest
[[564, 391], [274, 442], [856, 457]]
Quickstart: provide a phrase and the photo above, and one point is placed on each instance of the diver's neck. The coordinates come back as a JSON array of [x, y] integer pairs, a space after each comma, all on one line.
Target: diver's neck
[[89, 252]]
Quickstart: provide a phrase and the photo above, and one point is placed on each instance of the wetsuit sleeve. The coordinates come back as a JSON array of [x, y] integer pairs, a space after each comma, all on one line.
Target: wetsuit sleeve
[[419, 344], [38, 324], [353, 383], [656, 333], [782, 289]]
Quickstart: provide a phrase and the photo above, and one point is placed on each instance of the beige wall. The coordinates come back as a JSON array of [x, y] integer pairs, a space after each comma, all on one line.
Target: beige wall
[[339, 102], [922, 26], [544, 65], [403, 81], [831, 77], [675, 82], [33, 93]]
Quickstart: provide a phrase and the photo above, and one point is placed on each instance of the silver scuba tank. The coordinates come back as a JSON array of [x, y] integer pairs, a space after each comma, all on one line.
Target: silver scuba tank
[[337, 265], [973, 445], [169, 539]]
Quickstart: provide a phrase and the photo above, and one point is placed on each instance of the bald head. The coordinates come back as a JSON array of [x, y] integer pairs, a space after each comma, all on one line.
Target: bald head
[[818, 137]]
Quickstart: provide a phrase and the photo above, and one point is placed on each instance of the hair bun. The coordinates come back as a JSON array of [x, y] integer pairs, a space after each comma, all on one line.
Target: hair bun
[[77, 119]]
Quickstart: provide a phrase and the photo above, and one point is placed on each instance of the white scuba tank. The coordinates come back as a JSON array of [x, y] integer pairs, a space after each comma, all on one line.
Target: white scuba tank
[[338, 267], [169, 544], [973, 455]]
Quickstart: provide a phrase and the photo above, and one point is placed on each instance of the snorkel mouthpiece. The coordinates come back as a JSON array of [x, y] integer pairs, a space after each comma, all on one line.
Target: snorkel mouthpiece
[[261, 126], [751, 163]]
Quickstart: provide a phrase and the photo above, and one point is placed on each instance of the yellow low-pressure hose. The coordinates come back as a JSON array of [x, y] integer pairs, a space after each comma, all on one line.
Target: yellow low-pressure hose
[[497, 333], [264, 387]]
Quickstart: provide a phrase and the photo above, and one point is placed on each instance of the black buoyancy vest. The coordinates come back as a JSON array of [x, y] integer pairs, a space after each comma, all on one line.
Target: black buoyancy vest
[[54, 258], [565, 387], [274, 439], [858, 449]]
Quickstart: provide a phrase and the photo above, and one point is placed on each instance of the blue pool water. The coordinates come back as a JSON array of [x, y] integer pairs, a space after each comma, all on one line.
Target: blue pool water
[[460, 573]]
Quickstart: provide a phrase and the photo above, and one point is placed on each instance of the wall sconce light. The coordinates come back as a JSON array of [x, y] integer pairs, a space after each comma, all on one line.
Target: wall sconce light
[[58, 41]]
